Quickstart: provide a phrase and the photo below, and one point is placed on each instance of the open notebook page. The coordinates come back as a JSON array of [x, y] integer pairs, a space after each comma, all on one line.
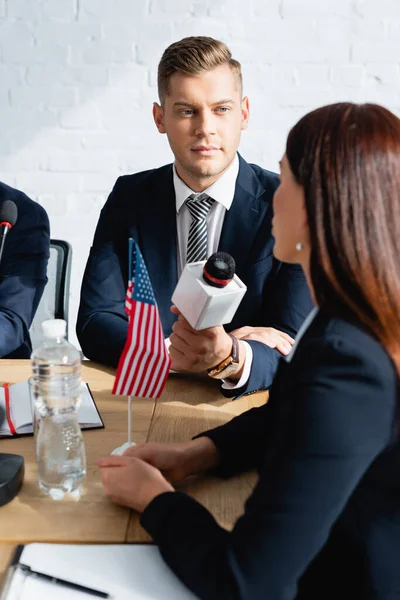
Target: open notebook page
[[21, 409], [126, 572], [20, 406]]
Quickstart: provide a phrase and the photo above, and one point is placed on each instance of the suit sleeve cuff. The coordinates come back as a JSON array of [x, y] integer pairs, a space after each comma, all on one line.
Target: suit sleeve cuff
[[161, 509], [248, 361]]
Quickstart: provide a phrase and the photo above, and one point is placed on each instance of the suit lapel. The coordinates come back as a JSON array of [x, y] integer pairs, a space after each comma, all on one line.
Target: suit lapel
[[158, 243], [158, 233], [245, 216]]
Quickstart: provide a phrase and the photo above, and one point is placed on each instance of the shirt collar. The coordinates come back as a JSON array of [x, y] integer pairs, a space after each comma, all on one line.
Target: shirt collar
[[222, 190], [310, 318]]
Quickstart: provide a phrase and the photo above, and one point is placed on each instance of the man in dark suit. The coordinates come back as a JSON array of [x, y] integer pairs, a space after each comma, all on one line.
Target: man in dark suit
[[22, 273], [210, 199]]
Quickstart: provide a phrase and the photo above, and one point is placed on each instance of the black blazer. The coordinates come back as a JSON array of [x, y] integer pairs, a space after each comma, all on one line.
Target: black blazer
[[22, 273], [323, 523], [142, 206]]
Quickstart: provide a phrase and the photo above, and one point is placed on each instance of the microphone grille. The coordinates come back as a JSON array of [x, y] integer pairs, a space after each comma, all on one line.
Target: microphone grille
[[220, 266], [8, 212]]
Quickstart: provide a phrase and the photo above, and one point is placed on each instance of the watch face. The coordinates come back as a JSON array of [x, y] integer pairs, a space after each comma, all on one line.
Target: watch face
[[226, 372]]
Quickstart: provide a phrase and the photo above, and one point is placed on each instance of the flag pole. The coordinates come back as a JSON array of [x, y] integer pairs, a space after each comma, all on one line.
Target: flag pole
[[121, 449], [129, 420], [140, 375]]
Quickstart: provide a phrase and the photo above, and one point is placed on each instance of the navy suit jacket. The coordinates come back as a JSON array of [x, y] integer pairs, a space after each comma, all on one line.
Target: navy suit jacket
[[143, 206], [22, 273], [323, 522]]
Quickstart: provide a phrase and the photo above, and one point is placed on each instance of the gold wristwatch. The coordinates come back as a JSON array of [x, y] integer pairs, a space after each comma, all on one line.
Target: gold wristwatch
[[229, 365]]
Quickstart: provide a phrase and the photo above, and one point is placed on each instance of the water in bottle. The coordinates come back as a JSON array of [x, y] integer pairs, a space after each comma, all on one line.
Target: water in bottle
[[56, 366]]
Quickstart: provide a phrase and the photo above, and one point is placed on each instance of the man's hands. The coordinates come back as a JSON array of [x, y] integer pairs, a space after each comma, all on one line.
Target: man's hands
[[141, 474], [197, 351], [266, 335]]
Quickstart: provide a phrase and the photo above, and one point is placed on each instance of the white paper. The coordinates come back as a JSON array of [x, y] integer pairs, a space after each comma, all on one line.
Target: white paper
[[126, 572]]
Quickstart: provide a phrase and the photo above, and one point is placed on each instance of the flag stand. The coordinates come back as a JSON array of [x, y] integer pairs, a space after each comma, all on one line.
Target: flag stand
[[121, 449]]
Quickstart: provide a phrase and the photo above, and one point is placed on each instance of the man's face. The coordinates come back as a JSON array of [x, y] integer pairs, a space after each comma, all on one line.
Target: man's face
[[203, 116]]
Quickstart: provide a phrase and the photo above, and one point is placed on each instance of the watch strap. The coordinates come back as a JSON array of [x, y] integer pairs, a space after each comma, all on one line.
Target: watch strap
[[235, 348], [231, 362]]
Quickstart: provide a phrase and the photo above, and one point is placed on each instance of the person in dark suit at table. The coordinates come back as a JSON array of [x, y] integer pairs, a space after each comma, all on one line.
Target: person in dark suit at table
[[23, 271], [324, 519], [203, 112]]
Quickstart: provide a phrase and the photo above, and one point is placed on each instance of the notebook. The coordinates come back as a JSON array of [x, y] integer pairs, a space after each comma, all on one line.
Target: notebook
[[119, 572], [16, 403]]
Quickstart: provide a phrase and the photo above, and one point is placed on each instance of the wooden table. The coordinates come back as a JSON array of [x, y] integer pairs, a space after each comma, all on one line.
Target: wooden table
[[187, 406]]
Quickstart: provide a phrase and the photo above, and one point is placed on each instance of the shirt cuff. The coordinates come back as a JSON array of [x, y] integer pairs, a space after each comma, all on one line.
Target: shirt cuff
[[167, 343], [248, 361]]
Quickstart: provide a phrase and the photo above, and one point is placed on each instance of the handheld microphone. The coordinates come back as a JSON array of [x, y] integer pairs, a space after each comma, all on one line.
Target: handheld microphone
[[209, 293], [8, 218]]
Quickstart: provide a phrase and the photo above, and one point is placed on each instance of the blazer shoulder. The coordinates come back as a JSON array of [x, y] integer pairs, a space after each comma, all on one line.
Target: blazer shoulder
[[268, 179], [257, 181], [341, 376], [264, 174], [351, 347], [134, 181], [26, 206]]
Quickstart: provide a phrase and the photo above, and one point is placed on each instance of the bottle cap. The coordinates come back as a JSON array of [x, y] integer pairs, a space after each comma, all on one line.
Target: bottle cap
[[54, 328]]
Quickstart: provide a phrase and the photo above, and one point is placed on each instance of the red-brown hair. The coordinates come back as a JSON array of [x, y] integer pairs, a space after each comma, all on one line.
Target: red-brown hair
[[347, 159]]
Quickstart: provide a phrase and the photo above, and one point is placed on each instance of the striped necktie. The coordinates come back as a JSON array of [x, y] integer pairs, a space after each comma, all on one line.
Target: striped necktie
[[199, 206]]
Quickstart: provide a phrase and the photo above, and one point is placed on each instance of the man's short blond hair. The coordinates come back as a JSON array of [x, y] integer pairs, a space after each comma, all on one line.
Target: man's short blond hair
[[193, 56]]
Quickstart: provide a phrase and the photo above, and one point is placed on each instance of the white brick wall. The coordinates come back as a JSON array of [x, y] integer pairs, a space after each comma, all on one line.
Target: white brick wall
[[78, 77]]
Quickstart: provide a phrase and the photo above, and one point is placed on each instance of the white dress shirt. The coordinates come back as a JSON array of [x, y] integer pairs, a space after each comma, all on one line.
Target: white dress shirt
[[222, 192]]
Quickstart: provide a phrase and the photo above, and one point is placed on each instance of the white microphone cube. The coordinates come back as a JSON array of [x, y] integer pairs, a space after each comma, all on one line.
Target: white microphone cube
[[202, 304]]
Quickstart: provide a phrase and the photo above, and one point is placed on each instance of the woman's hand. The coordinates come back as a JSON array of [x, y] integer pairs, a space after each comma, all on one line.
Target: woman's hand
[[177, 461], [131, 482]]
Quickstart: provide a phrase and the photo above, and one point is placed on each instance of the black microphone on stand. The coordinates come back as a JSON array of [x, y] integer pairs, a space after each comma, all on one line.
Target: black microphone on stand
[[11, 465], [8, 218]]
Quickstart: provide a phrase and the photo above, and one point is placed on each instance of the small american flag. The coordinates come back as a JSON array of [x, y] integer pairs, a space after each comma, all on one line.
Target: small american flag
[[144, 363]]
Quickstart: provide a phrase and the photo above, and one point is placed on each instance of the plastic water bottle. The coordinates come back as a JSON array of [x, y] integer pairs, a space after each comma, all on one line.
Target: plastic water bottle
[[56, 366]]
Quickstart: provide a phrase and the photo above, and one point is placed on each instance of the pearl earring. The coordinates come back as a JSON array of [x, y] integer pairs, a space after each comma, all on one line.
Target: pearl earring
[[299, 246]]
